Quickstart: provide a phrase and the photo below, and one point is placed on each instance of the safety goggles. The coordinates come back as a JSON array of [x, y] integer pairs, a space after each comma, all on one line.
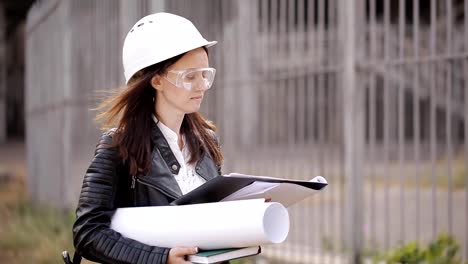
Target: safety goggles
[[192, 78]]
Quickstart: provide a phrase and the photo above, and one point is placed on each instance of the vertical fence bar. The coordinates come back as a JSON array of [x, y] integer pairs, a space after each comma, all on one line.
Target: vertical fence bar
[[448, 119], [416, 116], [314, 127], [66, 114], [320, 108], [336, 169], [339, 80], [465, 138], [333, 142], [315, 42], [353, 132], [273, 40], [372, 118], [291, 84], [386, 123], [218, 63], [281, 100], [239, 81], [310, 124], [330, 115], [228, 61], [276, 36], [433, 128], [311, 44], [290, 87], [247, 11], [299, 46], [341, 160], [265, 33], [328, 159], [401, 116]]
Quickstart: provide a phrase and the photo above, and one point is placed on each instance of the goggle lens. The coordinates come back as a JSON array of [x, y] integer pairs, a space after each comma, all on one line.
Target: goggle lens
[[191, 78]]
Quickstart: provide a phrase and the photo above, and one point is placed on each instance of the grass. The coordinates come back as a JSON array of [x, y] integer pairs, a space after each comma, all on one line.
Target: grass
[[28, 233]]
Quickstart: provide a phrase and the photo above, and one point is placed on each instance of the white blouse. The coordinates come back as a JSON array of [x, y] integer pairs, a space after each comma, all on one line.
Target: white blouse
[[188, 179]]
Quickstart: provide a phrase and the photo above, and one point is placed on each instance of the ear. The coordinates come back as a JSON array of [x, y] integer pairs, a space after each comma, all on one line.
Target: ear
[[156, 82]]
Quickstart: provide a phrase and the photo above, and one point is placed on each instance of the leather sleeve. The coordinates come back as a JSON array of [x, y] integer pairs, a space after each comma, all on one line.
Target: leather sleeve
[[92, 236]]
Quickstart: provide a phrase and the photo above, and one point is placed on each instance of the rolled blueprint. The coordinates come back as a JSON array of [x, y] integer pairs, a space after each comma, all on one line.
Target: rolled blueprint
[[207, 226]]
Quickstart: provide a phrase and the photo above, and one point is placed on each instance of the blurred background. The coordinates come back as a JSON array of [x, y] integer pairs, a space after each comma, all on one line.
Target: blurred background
[[370, 94]]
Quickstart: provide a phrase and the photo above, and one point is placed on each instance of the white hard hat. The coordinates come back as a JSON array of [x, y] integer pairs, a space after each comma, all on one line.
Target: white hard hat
[[156, 38]]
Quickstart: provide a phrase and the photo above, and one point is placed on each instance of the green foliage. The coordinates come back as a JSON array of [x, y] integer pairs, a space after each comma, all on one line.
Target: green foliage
[[443, 250], [33, 234]]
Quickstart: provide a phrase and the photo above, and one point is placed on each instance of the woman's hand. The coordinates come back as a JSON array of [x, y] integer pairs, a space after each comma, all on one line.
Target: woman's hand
[[177, 255]]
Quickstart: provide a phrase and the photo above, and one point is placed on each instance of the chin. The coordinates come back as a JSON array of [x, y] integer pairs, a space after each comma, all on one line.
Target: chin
[[192, 107], [193, 110]]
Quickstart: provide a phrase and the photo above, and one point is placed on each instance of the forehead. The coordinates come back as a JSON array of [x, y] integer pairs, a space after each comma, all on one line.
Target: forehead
[[196, 58]]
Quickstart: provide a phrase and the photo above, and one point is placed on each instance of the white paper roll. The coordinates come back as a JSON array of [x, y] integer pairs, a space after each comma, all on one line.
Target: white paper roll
[[207, 226]]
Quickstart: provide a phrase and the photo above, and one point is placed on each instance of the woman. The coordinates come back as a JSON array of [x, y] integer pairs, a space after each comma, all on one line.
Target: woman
[[160, 148]]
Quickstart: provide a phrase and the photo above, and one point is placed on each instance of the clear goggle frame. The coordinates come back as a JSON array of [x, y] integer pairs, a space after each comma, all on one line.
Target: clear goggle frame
[[192, 78]]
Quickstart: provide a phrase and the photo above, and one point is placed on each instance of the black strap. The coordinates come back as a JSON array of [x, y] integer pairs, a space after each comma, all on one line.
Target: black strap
[[76, 258]]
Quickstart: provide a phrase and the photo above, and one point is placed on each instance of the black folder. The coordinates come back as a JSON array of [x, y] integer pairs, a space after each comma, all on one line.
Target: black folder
[[222, 186]]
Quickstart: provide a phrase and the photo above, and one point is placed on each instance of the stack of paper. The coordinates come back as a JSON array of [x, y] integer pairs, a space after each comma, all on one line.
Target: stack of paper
[[218, 255]]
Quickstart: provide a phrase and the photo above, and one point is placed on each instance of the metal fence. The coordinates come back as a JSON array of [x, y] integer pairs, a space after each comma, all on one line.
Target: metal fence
[[371, 94]]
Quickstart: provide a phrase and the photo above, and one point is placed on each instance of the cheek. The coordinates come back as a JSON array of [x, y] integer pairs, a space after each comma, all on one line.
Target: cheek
[[176, 94]]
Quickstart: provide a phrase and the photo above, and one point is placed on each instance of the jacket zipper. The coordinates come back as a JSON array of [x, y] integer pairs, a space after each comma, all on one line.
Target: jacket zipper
[[132, 187], [136, 179], [133, 181]]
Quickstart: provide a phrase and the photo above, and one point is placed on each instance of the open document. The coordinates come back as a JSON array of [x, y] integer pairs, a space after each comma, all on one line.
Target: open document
[[237, 186], [208, 226]]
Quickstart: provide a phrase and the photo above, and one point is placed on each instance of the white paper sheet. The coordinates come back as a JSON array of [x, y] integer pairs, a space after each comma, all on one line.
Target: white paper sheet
[[285, 193], [207, 226], [256, 188]]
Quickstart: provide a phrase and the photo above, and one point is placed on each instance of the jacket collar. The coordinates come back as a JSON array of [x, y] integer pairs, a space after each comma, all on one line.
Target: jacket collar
[[165, 179], [168, 156]]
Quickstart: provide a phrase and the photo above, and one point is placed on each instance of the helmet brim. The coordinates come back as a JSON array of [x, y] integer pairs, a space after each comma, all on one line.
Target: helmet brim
[[211, 43]]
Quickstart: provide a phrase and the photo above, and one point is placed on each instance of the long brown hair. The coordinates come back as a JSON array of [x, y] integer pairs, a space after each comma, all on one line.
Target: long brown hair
[[129, 109]]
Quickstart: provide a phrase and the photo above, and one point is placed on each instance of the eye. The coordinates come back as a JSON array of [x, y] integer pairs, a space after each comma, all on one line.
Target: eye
[[207, 75], [189, 77]]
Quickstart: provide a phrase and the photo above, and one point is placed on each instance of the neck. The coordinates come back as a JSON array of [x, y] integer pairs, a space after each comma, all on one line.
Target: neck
[[171, 119]]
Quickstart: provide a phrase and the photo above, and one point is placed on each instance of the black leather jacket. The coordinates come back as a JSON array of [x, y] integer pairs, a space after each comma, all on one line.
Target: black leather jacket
[[107, 186]]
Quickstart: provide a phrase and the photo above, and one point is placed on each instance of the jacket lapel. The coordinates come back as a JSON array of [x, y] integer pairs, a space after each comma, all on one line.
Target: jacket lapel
[[164, 165], [205, 168]]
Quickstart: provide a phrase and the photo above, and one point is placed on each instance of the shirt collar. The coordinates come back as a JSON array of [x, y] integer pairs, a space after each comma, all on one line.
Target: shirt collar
[[166, 131]]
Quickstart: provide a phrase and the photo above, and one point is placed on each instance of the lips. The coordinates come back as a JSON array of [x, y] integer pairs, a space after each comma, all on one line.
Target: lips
[[197, 97]]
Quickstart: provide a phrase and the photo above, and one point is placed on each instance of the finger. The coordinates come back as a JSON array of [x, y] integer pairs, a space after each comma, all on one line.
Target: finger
[[184, 261], [182, 251]]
